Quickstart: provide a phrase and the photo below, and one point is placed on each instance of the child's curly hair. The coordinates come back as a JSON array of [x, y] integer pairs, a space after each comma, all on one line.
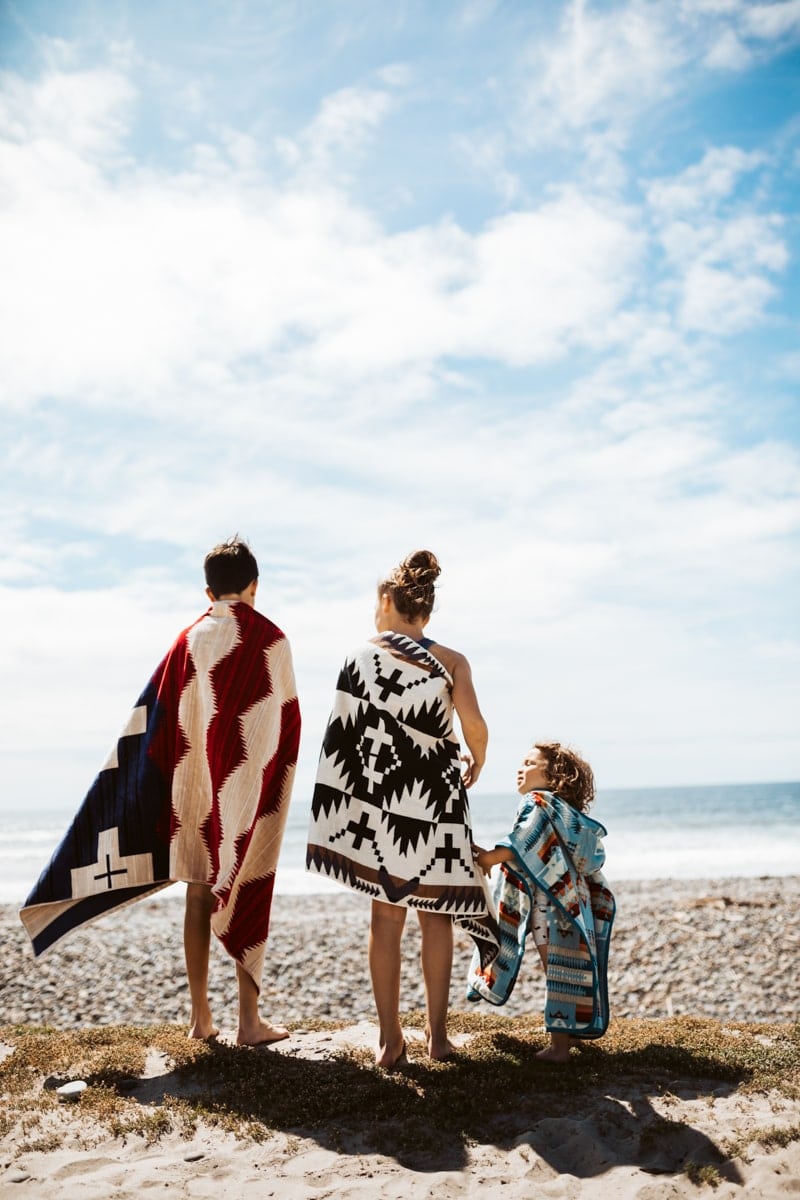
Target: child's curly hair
[[570, 776]]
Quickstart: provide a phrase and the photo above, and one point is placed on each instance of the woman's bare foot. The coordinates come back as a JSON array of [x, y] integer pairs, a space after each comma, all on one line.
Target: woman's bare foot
[[261, 1034], [440, 1048], [390, 1056]]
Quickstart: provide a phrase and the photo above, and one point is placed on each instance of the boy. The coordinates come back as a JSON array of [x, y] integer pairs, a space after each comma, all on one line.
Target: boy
[[197, 789]]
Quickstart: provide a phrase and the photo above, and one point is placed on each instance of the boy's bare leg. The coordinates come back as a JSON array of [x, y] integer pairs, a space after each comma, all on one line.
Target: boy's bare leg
[[385, 935], [253, 1031], [437, 963], [196, 946]]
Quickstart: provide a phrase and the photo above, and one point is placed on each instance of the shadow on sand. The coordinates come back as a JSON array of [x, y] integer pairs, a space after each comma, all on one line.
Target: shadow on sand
[[583, 1119]]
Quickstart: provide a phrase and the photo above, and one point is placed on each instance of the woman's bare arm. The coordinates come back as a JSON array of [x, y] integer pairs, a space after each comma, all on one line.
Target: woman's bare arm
[[473, 726]]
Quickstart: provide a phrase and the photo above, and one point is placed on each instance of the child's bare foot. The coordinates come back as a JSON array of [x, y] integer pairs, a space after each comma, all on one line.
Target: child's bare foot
[[550, 1054], [558, 1050], [261, 1034]]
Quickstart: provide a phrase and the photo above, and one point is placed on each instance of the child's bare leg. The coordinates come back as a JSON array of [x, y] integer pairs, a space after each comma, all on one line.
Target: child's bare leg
[[558, 1050], [385, 934], [437, 963], [253, 1031], [196, 946]]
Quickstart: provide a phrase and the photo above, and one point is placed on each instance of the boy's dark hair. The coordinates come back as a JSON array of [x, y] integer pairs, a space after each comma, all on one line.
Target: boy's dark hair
[[570, 776], [230, 567]]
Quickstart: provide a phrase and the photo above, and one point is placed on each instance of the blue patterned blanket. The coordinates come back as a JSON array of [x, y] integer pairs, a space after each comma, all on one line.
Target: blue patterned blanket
[[560, 850]]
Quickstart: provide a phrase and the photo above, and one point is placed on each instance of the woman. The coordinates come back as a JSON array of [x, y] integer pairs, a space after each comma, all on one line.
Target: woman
[[390, 815]]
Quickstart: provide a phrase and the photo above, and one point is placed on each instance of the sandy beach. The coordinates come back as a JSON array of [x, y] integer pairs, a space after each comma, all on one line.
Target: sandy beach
[[644, 1113]]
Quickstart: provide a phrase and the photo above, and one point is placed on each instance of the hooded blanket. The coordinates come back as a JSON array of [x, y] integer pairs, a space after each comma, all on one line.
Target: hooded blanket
[[560, 850], [196, 789], [390, 815]]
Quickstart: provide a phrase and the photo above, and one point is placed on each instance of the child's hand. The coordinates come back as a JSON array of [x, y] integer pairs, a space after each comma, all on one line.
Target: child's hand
[[482, 858]]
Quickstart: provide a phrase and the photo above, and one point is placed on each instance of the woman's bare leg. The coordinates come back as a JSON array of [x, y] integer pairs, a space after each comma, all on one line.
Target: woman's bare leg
[[196, 946], [253, 1031], [385, 935], [437, 963]]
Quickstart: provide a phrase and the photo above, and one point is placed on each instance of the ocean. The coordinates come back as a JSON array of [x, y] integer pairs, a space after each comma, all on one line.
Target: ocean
[[653, 833]]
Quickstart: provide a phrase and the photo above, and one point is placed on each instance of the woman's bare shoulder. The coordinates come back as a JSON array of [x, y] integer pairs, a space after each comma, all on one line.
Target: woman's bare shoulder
[[451, 658]]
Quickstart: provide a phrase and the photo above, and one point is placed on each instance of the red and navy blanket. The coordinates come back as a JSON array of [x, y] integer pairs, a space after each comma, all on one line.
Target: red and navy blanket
[[196, 788]]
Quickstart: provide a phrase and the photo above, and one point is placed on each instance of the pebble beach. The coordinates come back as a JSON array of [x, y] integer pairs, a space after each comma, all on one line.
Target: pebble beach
[[726, 949]]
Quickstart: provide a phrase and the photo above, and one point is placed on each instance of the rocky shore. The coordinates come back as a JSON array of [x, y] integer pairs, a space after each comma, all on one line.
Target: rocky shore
[[725, 948]]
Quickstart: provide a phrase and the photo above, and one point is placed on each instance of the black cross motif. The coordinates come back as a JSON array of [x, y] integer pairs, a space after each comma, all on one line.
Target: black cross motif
[[108, 872], [448, 852], [389, 684], [360, 831]]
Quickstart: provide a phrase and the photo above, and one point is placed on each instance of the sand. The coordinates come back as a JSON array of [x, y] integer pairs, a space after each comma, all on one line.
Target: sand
[[726, 951]]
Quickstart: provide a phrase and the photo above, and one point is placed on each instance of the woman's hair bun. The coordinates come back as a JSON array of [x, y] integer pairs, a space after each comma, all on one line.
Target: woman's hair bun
[[411, 585], [418, 568]]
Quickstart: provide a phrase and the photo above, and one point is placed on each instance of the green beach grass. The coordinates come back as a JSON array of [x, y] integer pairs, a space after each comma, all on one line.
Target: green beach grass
[[494, 1086]]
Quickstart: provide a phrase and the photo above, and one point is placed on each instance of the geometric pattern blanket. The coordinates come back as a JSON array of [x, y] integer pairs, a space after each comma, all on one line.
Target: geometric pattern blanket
[[559, 850], [390, 816], [197, 789]]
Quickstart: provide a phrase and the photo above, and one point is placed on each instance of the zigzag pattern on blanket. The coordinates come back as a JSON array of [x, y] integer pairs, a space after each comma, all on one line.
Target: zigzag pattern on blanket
[[197, 789]]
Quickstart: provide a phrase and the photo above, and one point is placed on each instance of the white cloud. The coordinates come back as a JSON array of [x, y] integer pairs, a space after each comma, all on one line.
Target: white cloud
[[191, 351], [80, 111], [603, 66], [721, 251], [728, 53], [769, 21], [149, 285], [708, 182]]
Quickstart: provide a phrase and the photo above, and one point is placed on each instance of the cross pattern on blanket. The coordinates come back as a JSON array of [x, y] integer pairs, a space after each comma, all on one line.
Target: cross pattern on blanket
[[378, 755], [112, 869]]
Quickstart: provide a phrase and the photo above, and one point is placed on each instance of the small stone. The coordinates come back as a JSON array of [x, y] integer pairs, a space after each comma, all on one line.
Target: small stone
[[71, 1091], [195, 1156], [18, 1177]]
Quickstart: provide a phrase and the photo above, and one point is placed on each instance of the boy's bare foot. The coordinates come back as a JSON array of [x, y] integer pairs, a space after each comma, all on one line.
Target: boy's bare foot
[[261, 1034], [203, 1033], [201, 1024]]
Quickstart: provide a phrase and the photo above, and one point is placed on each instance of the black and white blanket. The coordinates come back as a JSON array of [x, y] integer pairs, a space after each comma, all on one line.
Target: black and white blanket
[[390, 815]]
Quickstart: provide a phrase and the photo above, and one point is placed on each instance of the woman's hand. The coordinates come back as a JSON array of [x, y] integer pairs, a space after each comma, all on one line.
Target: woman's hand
[[470, 770]]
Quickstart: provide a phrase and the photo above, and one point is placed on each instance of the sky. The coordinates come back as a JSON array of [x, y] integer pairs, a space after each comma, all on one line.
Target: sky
[[515, 282]]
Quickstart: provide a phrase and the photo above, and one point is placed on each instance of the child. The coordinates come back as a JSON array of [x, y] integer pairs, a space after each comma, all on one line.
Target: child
[[550, 883]]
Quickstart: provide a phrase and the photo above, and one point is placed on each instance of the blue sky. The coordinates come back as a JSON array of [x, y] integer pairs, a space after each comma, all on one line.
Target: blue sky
[[516, 282]]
